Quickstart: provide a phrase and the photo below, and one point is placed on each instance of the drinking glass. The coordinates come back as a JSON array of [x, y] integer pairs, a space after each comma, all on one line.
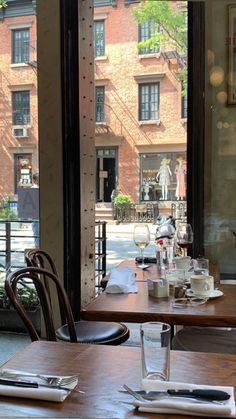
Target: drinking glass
[[155, 350], [184, 236], [142, 240]]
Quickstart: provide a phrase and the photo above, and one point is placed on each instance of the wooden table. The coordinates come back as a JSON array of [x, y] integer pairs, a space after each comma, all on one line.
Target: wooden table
[[103, 370], [152, 272], [141, 307]]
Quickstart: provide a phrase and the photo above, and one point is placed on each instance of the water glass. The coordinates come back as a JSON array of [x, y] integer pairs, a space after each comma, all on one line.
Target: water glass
[[201, 266], [155, 347]]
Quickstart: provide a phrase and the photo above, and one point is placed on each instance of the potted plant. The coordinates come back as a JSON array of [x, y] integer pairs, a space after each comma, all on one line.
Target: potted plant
[[122, 205], [9, 318]]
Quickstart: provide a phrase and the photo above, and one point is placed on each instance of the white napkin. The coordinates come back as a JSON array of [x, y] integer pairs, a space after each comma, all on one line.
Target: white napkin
[[40, 393], [121, 280], [183, 406]]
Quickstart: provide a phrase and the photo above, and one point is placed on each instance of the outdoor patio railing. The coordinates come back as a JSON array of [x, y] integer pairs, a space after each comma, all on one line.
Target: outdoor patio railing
[[16, 236]]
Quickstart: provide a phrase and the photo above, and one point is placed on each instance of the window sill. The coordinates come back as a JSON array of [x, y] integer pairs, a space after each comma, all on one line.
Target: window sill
[[19, 65], [102, 58], [21, 126], [184, 121], [150, 122], [152, 55]]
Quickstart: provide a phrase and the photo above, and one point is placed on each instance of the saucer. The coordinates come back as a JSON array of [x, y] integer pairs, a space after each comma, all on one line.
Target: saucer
[[143, 266], [213, 294]]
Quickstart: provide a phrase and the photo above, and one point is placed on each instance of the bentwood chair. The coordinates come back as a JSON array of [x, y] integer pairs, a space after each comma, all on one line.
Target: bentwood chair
[[70, 331]]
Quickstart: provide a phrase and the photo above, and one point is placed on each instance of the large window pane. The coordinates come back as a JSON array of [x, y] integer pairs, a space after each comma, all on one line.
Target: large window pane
[[21, 108], [20, 46], [149, 101], [99, 38]]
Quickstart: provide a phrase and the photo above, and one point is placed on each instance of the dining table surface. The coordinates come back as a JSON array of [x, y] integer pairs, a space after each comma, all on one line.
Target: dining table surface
[[141, 307], [102, 371]]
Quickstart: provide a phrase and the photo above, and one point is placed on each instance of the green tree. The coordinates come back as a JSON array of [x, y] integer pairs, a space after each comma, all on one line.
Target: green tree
[[173, 33], [3, 3]]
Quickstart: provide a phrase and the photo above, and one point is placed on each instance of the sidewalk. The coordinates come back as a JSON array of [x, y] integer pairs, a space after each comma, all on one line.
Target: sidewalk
[[127, 228]]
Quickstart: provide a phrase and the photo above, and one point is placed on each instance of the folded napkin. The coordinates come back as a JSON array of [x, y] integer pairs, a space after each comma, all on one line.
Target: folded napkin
[[40, 393], [183, 406], [121, 280]]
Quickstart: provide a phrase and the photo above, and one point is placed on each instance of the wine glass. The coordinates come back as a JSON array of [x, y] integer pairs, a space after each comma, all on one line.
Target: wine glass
[[142, 240], [184, 236]]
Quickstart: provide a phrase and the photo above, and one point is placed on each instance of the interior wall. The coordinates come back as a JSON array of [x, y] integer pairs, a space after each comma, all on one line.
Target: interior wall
[[87, 150], [50, 137], [220, 146], [50, 140]]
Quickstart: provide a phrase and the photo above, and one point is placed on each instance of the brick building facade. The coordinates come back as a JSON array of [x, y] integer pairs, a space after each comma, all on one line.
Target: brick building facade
[[18, 96], [139, 107], [131, 140]]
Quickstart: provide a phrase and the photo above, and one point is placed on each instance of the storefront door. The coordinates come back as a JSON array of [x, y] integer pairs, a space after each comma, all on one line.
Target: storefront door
[[106, 174]]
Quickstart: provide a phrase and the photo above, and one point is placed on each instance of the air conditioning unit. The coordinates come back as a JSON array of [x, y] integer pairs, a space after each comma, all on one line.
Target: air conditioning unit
[[20, 132]]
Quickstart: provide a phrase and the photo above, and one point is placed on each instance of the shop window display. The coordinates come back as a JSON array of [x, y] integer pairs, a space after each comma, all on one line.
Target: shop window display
[[163, 177]]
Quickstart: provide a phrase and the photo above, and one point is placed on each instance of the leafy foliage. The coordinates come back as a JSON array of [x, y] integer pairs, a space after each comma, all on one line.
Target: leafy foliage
[[172, 32], [122, 199], [27, 295], [3, 3]]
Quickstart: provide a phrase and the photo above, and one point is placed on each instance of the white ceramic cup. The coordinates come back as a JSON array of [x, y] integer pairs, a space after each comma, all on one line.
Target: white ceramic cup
[[202, 284], [155, 350], [183, 262]]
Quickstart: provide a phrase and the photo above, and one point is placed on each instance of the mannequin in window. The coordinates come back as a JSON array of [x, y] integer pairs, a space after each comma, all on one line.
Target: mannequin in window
[[163, 177], [180, 171], [146, 188]]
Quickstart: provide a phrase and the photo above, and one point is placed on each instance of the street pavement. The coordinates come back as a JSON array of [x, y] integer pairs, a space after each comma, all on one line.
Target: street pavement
[[120, 244]]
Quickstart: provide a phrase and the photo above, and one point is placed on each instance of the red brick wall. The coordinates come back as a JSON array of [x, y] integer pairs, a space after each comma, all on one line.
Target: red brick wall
[[122, 63], [13, 78]]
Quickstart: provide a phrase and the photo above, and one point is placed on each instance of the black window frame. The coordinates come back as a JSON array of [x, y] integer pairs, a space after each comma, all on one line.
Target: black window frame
[[184, 106], [21, 114], [21, 46], [99, 104], [99, 44], [149, 27], [141, 102]]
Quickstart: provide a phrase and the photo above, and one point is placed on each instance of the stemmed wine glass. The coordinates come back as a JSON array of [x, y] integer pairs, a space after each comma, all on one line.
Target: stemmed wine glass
[[142, 240], [184, 236]]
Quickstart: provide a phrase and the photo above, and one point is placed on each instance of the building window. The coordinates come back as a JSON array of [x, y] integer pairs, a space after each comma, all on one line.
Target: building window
[[21, 108], [99, 38], [149, 101], [163, 177], [20, 46], [100, 103], [146, 31], [23, 170]]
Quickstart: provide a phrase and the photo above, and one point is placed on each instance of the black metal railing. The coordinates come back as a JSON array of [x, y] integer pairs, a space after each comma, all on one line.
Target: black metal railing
[[12, 250], [137, 213], [13, 242], [100, 252]]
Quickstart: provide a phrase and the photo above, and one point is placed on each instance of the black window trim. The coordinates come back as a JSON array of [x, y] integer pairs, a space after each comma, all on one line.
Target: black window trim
[[140, 85]]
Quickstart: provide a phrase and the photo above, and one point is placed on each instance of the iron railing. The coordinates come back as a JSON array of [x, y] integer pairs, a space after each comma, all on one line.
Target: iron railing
[[137, 213], [16, 236], [100, 252]]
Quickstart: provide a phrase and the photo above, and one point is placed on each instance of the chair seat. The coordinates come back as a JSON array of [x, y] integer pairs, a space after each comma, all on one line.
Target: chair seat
[[106, 333], [205, 339]]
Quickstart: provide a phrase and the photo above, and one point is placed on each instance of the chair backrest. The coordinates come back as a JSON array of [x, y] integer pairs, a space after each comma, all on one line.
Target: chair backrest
[[41, 259], [38, 276]]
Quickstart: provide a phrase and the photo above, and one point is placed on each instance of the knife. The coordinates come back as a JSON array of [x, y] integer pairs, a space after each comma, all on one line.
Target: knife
[[29, 384], [203, 394]]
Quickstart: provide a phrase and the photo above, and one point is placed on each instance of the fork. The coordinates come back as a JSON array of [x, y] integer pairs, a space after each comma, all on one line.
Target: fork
[[55, 381]]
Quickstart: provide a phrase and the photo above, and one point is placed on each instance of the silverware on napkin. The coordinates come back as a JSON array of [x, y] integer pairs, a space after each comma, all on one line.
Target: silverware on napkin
[[200, 394], [30, 384]]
